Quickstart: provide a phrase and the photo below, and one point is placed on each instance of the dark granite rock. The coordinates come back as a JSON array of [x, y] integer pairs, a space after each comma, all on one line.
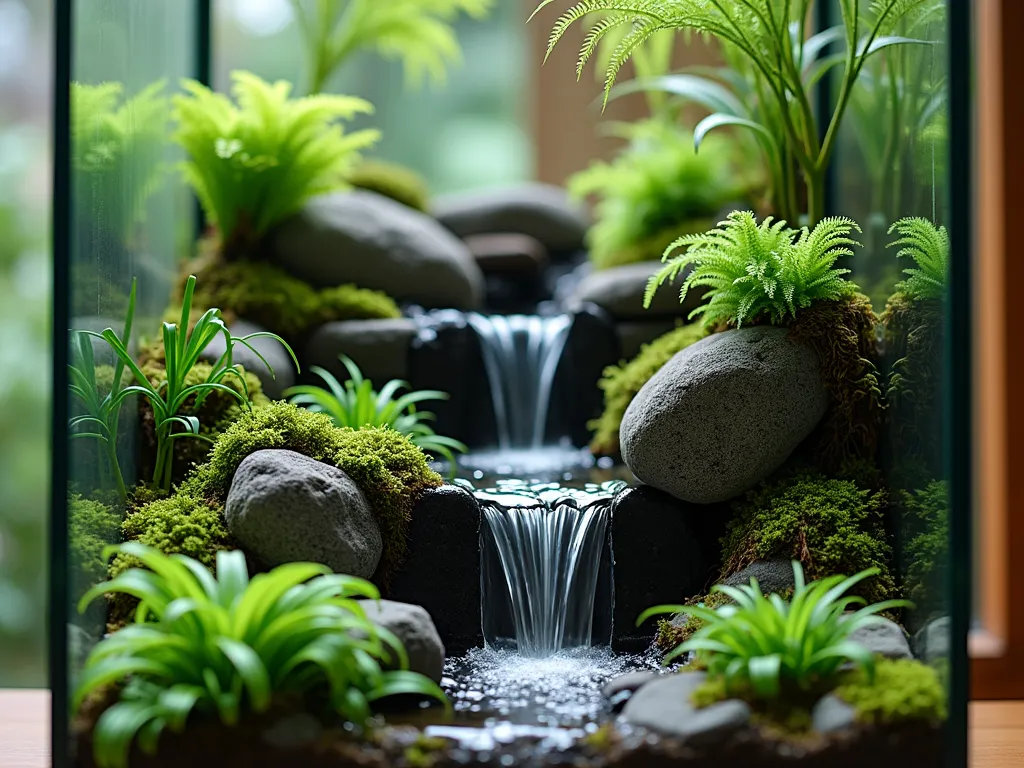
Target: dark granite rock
[[542, 211], [413, 626], [364, 238], [285, 507], [620, 291], [442, 570], [379, 347], [274, 383], [664, 706], [772, 576], [723, 414]]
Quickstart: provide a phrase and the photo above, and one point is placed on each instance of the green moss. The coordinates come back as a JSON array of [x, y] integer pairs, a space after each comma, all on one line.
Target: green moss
[[602, 739], [787, 717], [843, 335], [925, 516], [620, 383], [91, 527], [267, 295], [902, 690], [669, 636], [390, 470], [425, 751], [831, 526], [391, 180]]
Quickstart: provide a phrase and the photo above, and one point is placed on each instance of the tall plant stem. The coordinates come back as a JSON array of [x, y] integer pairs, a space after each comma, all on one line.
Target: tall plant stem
[[815, 181], [115, 469]]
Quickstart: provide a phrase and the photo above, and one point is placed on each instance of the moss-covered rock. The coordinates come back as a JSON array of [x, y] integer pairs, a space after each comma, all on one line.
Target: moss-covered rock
[[902, 690], [267, 295], [621, 382], [392, 180], [675, 631], [925, 517], [92, 526], [831, 526]]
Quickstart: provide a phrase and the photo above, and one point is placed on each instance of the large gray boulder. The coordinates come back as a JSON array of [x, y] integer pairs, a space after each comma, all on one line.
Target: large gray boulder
[[379, 347], [274, 384], [284, 507], [620, 292], [664, 705], [723, 414], [367, 239], [413, 626], [542, 211]]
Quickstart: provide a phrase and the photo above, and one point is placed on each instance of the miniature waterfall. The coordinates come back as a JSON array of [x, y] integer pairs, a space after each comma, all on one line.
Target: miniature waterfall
[[548, 542], [521, 355]]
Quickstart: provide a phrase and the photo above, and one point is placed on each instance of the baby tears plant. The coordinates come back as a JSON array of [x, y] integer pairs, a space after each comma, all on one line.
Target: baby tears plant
[[226, 646], [770, 36], [182, 350], [255, 163], [418, 32], [753, 269], [357, 404], [765, 647], [928, 246]]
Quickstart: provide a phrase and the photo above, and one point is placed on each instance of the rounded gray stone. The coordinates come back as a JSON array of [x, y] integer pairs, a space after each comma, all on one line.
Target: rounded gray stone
[[379, 347], [664, 706], [414, 627], [364, 238], [620, 292], [932, 642], [542, 211], [772, 576], [285, 507], [723, 414], [274, 383], [831, 714], [886, 639]]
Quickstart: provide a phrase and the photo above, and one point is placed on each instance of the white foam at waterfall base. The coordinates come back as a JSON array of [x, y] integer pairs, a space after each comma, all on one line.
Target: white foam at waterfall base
[[563, 689]]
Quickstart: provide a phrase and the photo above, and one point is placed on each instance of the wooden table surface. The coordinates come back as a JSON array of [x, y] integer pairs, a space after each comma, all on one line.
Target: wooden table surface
[[997, 732]]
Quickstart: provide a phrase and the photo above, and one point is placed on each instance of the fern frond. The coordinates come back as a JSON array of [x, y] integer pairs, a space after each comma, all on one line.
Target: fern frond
[[928, 246]]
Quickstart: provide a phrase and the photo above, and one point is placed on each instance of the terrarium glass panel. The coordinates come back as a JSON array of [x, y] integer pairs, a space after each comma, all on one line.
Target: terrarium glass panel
[[423, 463]]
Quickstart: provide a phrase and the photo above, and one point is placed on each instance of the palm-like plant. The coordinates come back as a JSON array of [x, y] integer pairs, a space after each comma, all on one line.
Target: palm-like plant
[[356, 404], [225, 646], [419, 32], [752, 269], [254, 164], [765, 647], [928, 246], [182, 350], [769, 35]]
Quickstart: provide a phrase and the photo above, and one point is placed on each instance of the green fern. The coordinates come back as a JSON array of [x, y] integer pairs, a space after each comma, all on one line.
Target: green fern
[[419, 32], [756, 269], [254, 164], [928, 246]]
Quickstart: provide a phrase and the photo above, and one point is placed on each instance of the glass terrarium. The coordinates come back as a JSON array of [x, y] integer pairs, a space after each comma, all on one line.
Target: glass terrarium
[[376, 450]]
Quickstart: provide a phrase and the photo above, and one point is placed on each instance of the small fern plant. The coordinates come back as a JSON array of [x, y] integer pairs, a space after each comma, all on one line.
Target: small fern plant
[[753, 269], [419, 32], [928, 246], [255, 163]]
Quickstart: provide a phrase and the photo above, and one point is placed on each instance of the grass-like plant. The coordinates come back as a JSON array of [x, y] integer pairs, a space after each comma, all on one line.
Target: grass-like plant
[[357, 404], [769, 35], [255, 163], [766, 647], [418, 32], [182, 349], [928, 246], [226, 646], [752, 269]]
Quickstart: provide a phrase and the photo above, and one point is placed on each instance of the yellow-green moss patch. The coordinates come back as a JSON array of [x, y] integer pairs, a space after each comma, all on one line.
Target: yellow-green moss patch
[[902, 690], [391, 180]]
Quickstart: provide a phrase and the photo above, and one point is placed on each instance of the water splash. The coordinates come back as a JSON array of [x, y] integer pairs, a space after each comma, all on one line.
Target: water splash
[[549, 541], [521, 355]]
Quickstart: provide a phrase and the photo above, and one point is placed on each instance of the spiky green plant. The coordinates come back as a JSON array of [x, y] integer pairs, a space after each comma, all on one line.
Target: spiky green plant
[[658, 185], [182, 349], [418, 32], [766, 647], [357, 404], [255, 163], [769, 34], [753, 269], [928, 246], [118, 150], [225, 646]]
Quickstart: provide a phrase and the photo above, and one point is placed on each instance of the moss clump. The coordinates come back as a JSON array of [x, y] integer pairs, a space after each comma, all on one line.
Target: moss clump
[[831, 526], [425, 751], [843, 334], [902, 690], [391, 180], [91, 527], [925, 515], [390, 470], [267, 295], [621, 383]]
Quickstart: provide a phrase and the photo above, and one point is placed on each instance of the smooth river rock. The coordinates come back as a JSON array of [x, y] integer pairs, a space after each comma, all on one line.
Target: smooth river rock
[[284, 507], [413, 626], [724, 414], [364, 238], [620, 292], [664, 705], [380, 347]]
